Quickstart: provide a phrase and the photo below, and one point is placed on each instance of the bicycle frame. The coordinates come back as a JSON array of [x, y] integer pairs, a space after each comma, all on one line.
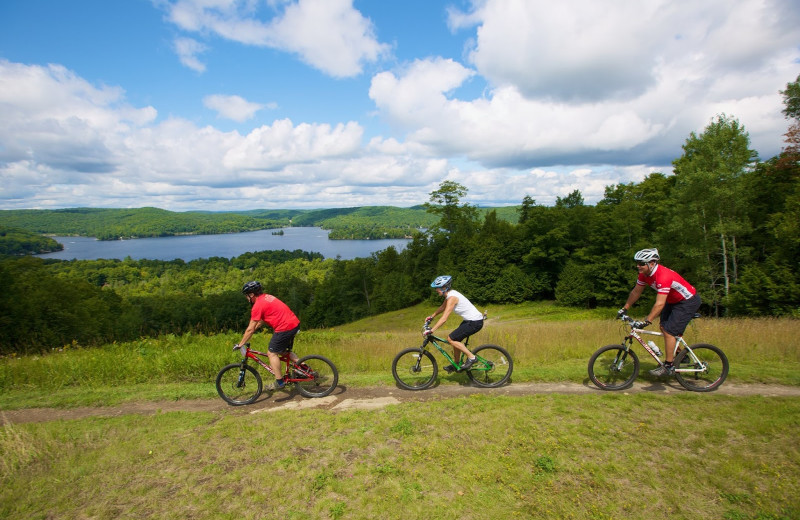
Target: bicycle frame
[[436, 341], [291, 366], [679, 344]]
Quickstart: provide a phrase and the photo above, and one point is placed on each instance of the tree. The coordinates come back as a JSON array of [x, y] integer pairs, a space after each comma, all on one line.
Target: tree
[[707, 208], [455, 219]]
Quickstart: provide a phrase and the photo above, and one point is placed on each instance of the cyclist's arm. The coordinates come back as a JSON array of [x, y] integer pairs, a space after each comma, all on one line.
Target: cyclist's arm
[[655, 312], [251, 329], [634, 296], [446, 308]]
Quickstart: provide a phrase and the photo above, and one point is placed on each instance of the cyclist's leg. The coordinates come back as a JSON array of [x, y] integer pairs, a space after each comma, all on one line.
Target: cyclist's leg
[[674, 320], [280, 343], [466, 329]]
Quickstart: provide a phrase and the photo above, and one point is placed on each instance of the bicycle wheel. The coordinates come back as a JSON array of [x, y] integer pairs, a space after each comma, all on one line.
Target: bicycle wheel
[[239, 384], [613, 368], [414, 369], [326, 377], [493, 367], [705, 373]]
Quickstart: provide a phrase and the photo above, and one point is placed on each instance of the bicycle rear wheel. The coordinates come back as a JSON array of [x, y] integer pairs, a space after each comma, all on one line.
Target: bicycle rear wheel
[[705, 373], [325, 377], [414, 369], [493, 367], [239, 384], [613, 368]]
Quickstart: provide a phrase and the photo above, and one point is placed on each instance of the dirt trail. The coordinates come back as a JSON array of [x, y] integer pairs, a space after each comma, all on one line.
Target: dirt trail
[[344, 398]]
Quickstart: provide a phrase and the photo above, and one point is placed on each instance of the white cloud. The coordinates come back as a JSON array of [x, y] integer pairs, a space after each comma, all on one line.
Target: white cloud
[[329, 35], [235, 108], [187, 50], [577, 98], [581, 83]]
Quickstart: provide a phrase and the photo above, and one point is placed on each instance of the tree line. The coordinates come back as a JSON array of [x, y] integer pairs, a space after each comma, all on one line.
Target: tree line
[[728, 222]]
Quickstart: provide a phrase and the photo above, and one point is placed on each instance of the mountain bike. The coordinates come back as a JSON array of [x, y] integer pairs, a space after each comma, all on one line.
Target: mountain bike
[[416, 368], [700, 368], [240, 383]]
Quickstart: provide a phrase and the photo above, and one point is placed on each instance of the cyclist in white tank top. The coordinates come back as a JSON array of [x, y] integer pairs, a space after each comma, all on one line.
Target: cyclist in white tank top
[[456, 302]]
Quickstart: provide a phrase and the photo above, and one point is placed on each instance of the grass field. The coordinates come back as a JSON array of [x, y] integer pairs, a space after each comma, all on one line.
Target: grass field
[[548, 344], [595, 456], [600, 456]]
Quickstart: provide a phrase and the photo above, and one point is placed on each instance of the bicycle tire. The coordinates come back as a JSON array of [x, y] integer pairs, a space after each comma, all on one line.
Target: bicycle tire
[[498, 370], [239, 384], [714, 361], [326, 377], [605, 369], [412, 372]]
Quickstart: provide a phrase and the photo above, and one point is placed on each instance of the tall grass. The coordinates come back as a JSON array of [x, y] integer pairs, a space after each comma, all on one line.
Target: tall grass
[[547, 343]]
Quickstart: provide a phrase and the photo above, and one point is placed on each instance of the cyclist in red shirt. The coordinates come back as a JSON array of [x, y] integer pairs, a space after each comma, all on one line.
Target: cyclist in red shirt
[[270, 311], [677, 302]]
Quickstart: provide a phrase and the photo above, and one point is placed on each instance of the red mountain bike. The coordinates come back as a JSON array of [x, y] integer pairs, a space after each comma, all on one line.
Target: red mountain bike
[[240, 383]]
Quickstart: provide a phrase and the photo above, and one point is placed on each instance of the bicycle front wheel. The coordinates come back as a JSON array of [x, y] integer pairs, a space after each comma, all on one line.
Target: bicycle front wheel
[[414, 369], [326, 377], [704, 371], [613, 367], [239, 384], [493, 367]]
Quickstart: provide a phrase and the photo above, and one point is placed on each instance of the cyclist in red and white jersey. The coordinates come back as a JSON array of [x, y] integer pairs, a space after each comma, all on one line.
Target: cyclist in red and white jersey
[[677, 302]]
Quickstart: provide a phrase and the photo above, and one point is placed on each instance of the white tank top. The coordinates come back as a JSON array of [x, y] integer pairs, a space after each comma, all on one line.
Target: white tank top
[[464, 307]]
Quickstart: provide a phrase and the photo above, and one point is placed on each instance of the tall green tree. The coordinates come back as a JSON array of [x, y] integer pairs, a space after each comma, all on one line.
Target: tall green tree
[[707, 209]]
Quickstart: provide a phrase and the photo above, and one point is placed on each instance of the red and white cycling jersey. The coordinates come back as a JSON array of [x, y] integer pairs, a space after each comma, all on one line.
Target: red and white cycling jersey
[[666, 281]]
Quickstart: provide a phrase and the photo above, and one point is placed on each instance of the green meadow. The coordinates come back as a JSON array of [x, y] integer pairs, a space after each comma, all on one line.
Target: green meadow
[[598, 455]]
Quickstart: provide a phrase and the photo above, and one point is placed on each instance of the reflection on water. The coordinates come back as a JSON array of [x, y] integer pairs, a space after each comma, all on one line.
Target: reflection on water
[[191, 247]]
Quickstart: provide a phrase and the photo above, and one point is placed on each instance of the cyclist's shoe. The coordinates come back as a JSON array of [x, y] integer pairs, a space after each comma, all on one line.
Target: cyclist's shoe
[[662, 370], [468, 363], [449, 369], [277, 385]]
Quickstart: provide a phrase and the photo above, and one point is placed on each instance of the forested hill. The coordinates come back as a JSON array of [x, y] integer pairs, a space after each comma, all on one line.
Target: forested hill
[[368, 222], [15, 241]]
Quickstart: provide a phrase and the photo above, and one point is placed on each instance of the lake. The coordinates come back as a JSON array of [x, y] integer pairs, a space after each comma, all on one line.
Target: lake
[[191, 247]]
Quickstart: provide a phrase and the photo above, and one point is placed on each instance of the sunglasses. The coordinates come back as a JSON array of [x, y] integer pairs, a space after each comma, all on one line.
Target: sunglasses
[[641, 264]]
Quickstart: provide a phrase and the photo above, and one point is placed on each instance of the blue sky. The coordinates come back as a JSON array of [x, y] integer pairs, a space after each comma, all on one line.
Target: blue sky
[[243, 104]]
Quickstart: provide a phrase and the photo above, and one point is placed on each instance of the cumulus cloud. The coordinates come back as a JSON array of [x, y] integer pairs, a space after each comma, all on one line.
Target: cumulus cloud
[[581, 83], [67, 143], [329, 35], [235, 108]]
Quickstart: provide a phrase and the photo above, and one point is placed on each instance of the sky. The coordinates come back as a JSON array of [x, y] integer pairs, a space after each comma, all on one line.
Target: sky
[[230, 105]]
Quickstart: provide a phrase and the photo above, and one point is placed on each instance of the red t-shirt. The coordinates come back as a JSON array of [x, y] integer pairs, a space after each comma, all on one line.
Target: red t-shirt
[[666, 281], [274, 313]]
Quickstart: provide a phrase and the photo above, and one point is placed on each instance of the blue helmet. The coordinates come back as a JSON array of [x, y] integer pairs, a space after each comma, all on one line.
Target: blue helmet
[[442, 282]]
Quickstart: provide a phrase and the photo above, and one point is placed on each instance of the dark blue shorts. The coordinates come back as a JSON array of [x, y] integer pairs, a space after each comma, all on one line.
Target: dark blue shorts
[[467, 328], [283, 341], [676, 316]]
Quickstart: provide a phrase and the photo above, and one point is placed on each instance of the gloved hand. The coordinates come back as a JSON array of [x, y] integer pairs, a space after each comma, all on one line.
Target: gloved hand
[[640, 324], [429, 318], [427, 332], [236, 347], [622, 312]]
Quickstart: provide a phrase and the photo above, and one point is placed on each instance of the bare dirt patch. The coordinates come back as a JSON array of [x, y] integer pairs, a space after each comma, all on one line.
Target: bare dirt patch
[[345, 398]]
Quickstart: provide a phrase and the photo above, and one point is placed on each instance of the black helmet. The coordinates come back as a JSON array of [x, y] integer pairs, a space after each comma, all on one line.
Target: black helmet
[[252, 287]]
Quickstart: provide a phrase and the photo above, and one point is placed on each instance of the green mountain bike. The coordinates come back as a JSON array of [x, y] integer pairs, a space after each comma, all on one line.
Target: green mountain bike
[[416, 368]]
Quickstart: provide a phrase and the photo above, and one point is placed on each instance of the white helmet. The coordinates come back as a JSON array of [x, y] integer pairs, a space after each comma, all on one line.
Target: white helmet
[[647, 255]]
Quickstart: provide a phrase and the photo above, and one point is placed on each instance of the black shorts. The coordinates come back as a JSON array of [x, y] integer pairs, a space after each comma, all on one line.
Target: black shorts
[[467, 328], [676, 316], [283, 341]]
